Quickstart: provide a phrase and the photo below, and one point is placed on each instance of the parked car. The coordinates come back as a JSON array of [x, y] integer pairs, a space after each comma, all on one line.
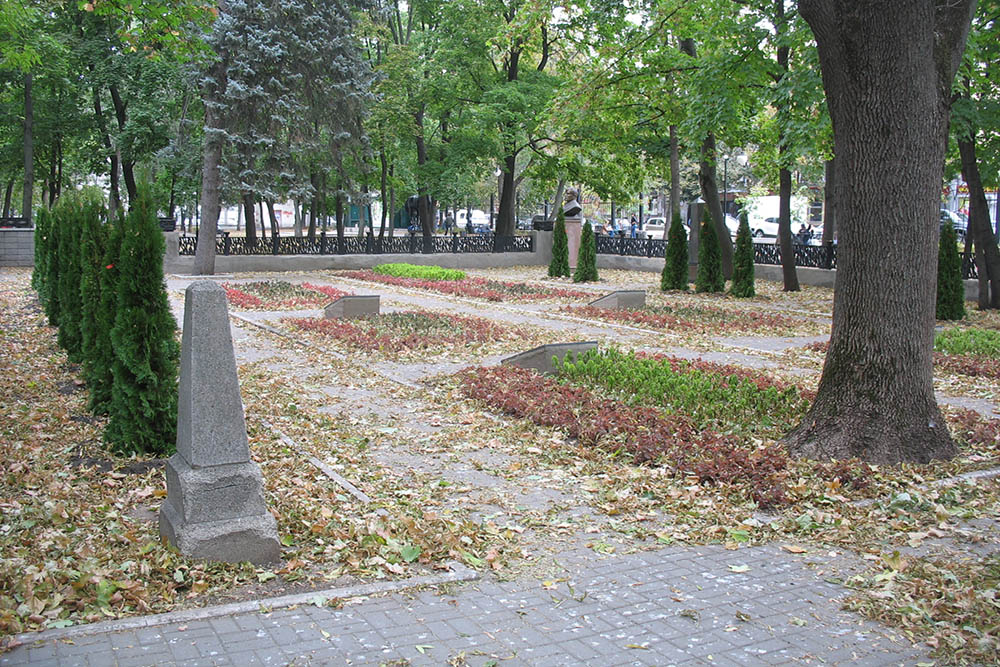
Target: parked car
[[478, 218], [654, 227], [957, 220]]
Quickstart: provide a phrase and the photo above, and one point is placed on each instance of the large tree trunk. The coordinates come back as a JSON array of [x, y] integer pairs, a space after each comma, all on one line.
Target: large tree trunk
[[29, 150], [675, 179], [250, 219], [211, 181], [102, 126], [980, 228], [887, 69], [383, 190], [707, 177], [128, 163], [6, 198], [709, 182], [791, 278], [505, 220], [829, 203]]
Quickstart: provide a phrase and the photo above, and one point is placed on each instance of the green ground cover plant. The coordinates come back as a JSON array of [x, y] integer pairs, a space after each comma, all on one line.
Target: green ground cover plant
[[402, 270], [725, 397], [979, 342]]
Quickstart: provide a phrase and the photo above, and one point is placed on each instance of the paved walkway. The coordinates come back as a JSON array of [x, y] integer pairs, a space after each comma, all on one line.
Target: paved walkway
[[677, 605]]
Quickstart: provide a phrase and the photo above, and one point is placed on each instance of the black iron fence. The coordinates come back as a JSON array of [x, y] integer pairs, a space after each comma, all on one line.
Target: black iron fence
[[326, 244], [16, 223], [809, 256]]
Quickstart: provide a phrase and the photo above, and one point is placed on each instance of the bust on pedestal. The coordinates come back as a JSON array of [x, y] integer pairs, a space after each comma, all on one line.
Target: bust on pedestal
[[574, 223]]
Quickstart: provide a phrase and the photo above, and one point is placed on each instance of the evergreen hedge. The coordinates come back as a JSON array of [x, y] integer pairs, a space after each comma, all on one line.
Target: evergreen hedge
[[559, 266], [93, 242], [143, 411], [675, 268], [102, 363], [51, 282], [709, 278], [743, 276], [586, 261], [40, 272], [70, 211], [950, 291]]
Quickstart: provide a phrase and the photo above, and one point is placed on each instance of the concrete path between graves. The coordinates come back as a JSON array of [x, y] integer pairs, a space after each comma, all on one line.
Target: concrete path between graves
[[667, 605]]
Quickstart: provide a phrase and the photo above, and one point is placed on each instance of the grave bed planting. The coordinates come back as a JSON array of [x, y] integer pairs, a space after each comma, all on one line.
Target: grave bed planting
[[473, 287], [693, 318], [279, 295], [397, 334]]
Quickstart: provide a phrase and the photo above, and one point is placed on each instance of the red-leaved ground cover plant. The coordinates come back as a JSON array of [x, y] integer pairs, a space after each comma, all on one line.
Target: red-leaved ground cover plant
[[476, 288], [648, 435], [395, 333], [279, 295], [690, 318]]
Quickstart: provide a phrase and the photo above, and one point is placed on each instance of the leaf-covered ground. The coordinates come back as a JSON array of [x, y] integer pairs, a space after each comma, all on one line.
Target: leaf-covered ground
[[454, 478]]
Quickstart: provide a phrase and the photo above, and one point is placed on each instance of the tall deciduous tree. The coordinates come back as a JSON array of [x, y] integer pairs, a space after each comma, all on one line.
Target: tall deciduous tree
[[888, 70]]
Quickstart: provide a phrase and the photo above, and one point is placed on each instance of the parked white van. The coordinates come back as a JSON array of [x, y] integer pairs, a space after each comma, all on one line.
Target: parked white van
[[479, 218]]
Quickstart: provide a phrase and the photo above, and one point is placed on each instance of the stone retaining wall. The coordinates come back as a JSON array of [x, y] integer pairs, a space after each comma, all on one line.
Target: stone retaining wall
[[17, 247]]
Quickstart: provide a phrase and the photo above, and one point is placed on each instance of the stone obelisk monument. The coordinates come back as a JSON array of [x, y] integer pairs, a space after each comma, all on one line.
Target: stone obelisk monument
[[215, 504], [574, 225]]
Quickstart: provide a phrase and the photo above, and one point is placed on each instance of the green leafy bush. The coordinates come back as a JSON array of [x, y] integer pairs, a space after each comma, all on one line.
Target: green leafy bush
[[559, 266], [675, 268], [401, 270], [586, 260], [143, 414], [743, 277], [40, 272], [950, 290], [709, 277], [728, 398], [51, 282], [979, 342]]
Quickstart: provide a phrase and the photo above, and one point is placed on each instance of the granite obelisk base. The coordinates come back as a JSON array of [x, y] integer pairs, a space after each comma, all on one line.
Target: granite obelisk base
[[574, 228], [215, 504]]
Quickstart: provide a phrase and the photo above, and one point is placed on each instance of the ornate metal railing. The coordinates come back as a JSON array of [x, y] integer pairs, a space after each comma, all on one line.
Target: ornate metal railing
[[326, 244], [808, 256], [17, 223]]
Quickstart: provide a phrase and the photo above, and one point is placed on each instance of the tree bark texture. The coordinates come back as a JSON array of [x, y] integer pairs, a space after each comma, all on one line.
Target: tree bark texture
[[829, 202], [887, 69], [788, 274], [505, 219], [675, 178], [980, 228], [211, 179], [128, 164], [709, 181], [29, 150], [8, 192]]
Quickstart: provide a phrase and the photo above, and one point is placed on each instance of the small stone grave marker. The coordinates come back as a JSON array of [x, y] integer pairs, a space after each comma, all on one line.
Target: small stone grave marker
[[622, 299], [540, 358], [352, 305], [215, 503]]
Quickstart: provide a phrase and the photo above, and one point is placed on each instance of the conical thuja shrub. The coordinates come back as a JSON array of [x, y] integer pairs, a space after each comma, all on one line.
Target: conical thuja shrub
[[675, 267], [709, 278], [559, 266], [586, 262], [950, 291], [743, 272], [143, 414]]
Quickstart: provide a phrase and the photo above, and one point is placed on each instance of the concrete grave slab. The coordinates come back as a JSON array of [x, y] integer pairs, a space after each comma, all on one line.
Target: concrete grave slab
[[540, 358], [352, 305], [622, 299]]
